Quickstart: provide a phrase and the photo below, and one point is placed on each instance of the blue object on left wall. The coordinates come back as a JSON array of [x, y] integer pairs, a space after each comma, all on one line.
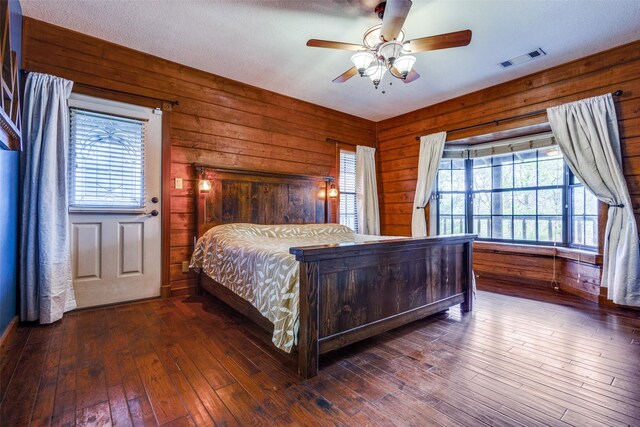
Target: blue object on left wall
[[8, 237]]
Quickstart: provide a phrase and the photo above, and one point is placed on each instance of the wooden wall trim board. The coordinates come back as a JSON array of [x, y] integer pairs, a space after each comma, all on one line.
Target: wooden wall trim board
[[340, 146], [165, 286], [218, 122]]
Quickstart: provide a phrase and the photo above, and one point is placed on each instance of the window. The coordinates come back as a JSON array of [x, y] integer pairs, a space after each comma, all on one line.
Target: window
[[347, 184], [519, 196], [106, 167], [584, 215], [451, 196], [515, 195]]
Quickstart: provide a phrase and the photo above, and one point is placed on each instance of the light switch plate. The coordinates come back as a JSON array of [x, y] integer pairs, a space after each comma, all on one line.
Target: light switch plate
[[185, 266], [178, 183]]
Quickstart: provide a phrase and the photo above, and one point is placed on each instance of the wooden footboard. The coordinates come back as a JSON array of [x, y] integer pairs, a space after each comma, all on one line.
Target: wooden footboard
[[352, 292]]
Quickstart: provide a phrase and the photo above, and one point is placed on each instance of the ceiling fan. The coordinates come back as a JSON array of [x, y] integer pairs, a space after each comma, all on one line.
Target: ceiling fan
[[384, 47]]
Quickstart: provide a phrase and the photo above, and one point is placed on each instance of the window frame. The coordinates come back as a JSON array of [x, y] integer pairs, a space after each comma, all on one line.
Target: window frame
[[571, 185], [122, 110], [567, 203], [342, 192], [437, 196]]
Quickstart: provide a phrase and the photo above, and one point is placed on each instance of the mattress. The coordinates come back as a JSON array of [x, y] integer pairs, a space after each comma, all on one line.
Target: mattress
[[254, 262]]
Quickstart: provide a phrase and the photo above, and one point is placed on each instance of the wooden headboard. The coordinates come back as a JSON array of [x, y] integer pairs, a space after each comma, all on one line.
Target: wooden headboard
[[260, 198]]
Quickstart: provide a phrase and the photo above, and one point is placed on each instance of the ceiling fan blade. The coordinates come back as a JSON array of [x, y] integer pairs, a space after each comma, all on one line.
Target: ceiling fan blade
[[442, 41], [334, 45], [395, 12], [413, 75], [346, 75]]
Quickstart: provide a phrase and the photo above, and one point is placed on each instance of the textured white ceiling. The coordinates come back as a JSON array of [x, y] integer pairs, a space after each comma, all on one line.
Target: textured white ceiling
[[262, 42]]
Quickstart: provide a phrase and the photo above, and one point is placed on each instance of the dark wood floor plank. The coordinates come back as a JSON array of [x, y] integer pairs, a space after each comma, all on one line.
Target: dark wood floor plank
[[246, 410], [64, 409], [10, 354], [181, 422], [119, 408], [211, 401], [43, 408], [254, 390], [97, 415], [20, 396], [91, 386], [141, 412], [164, 399], [186, 361], [210, 368], [130, 377], [64, 412], [192, 402]]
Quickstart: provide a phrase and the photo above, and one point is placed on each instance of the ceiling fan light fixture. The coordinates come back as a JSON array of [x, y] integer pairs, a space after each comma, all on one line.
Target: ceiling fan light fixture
[[404, 64], [390, 51], [372, 37], [376, 71], [362, 60], [384, 47]]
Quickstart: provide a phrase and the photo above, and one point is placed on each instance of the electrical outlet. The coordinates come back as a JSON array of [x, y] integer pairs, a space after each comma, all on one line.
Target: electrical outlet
[[178, 183], [185, 266]]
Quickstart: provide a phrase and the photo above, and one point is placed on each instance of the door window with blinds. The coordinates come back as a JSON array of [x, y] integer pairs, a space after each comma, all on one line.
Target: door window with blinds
[[347, 184], [107, 160], [517, 191]]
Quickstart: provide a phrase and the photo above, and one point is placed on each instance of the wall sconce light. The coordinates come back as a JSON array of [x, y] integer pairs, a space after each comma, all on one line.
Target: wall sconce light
[[333, 191], [204, 185]]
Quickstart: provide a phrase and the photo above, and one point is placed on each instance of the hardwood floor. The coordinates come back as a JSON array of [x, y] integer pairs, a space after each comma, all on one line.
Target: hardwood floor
[[192, 361]]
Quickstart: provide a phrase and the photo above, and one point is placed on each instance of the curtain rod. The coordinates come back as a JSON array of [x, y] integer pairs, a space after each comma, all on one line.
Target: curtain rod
[[335, 141], [519, 116], [172, 102]]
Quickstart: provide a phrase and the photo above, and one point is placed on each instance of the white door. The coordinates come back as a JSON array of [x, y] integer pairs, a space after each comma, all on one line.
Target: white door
[[114, 200]]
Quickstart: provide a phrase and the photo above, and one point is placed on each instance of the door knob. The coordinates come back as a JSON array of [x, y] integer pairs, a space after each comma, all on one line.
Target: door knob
[[154, 200], [153, 213]]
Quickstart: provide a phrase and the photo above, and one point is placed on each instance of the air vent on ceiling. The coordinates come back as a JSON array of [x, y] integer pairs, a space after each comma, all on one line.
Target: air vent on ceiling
[[523, 58]]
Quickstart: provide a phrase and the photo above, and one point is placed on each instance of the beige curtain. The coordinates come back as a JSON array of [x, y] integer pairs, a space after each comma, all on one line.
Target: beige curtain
[[587, 134], [367, 191], [431, 149], [46, 290]]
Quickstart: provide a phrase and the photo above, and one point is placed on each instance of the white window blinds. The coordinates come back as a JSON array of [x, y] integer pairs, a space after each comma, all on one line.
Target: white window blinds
[[348, 203], [107, 158]]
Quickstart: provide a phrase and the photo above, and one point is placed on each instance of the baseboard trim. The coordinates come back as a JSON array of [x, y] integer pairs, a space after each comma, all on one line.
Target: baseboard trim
[[8, 331]]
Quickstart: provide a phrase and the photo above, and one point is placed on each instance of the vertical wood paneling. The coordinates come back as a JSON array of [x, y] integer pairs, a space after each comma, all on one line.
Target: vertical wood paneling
[[604, 72], [218, 121]]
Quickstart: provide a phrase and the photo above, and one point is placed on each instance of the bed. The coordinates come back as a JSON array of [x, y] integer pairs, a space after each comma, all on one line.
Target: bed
[[318, 287]]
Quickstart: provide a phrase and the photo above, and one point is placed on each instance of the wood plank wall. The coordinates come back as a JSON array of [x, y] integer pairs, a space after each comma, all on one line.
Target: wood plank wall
[[218, 121], [607, 71]]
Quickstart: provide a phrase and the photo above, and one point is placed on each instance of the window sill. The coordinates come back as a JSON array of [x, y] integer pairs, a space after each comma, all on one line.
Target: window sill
[[587, 257]]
